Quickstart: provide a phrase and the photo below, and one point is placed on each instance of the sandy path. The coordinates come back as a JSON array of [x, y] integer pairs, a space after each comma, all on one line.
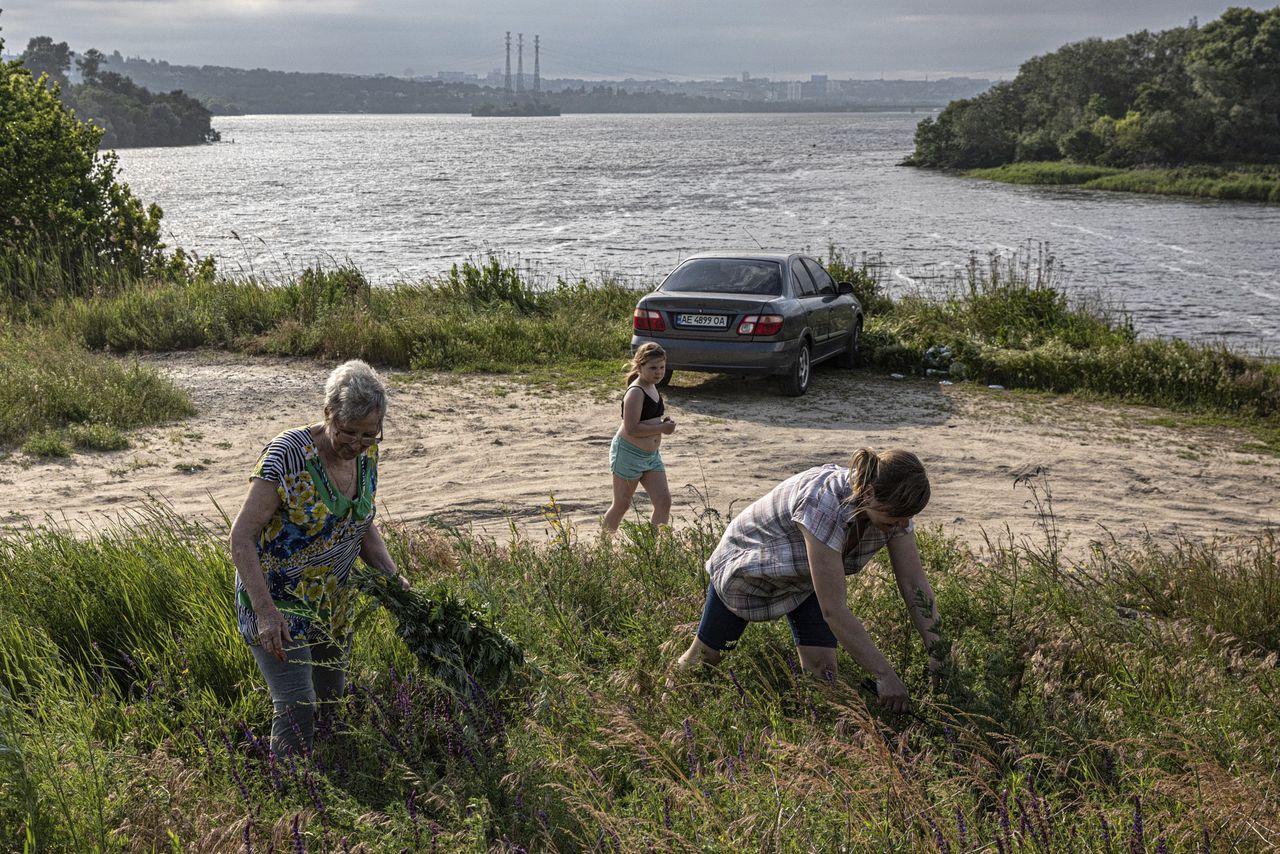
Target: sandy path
[[479, 450]]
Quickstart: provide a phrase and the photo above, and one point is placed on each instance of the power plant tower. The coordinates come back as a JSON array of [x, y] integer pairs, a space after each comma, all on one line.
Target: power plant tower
[[508, 86], [537, 75], [519, 63]]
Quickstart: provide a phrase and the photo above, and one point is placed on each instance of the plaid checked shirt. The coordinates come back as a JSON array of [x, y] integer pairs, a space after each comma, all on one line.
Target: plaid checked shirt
[[760, 569]]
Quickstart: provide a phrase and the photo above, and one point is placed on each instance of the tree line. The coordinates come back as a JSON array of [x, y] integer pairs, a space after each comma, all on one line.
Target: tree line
[[1194, 94], [233, 91], [130, 115]]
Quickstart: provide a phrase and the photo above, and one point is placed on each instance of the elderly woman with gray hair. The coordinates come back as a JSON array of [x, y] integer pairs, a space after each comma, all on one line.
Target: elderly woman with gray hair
[[308, 515]]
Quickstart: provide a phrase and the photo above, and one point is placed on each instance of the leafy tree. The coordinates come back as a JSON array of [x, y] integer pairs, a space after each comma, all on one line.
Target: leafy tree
[[42, 56], [1235, 66], [58, 196], [1189, 94], [90, 64], [133, 116]]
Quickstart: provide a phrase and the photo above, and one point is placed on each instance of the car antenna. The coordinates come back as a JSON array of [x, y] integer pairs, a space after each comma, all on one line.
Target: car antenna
[[753, 237]]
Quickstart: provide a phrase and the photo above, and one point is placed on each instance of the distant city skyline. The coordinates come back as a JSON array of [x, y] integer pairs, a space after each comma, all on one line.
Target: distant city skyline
[[848, 39]]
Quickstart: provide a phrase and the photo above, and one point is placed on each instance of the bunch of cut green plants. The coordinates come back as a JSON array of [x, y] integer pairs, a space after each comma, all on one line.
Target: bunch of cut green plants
[[451, 640]]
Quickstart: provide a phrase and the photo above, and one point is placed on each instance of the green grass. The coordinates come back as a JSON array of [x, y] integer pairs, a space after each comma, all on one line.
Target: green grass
[[1239, 182], [476, 318], [50, 383], [1006, 321], [1044, 172], [1142, 679]]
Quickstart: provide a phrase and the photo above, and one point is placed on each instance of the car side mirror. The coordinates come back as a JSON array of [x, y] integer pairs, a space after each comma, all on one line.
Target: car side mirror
[[843, 288]]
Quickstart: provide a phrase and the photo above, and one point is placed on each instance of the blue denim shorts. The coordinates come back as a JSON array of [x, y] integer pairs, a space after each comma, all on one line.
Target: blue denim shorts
[[720, 628], [629, 462]]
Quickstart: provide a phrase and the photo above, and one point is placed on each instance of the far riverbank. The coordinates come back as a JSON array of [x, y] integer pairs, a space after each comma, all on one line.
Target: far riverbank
[[1235, 182]]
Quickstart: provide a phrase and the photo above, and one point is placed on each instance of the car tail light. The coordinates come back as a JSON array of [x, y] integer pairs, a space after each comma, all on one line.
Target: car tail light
[[760, 324], [648, 321]]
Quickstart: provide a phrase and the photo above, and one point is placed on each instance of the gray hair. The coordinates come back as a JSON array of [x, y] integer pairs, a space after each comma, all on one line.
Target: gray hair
[[354, 391]]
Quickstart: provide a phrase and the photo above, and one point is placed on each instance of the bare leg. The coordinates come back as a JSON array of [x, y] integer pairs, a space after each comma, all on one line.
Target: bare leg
[[623, 489], [655, 485], [818, 660]]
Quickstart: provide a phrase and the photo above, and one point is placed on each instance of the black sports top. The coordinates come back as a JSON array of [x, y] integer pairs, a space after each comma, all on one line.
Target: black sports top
[[651, 408]]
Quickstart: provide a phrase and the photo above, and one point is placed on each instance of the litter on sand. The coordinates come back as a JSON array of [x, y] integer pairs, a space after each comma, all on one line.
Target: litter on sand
[[896, 376], [996, 387]]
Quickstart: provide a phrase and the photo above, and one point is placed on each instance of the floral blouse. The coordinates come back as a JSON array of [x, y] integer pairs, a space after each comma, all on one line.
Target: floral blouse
[[308, 548]]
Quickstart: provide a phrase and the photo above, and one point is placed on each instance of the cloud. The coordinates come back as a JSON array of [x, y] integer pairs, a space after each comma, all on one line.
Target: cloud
[[595, 38]]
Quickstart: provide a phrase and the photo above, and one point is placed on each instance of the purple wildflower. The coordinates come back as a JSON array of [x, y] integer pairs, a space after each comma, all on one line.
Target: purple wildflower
[[1106, 833], [1039, 815], [1002, 809], [943, 846], [962, 828], [688, 740], [273, 767], [235, 775], [742, 694], [313, 791], [247, 837], [1024, 822], [1137, 839], [1162, 847], [666, 812], [299, 846]]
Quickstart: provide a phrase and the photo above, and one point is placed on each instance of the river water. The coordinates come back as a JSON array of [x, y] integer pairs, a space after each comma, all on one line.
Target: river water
[[403, 197]]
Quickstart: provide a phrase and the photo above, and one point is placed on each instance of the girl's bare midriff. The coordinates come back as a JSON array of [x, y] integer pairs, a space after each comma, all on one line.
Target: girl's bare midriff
[[645, 443]]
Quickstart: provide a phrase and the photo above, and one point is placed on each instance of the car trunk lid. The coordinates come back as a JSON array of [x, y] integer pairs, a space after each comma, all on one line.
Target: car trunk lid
[[705, 315]]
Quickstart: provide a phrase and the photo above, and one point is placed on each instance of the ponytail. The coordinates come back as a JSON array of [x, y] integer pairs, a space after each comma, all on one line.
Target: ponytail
[[896, 478], [863, 469]]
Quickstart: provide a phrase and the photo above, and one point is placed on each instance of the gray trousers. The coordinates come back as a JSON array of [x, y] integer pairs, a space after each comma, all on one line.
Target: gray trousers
[[314, 675]]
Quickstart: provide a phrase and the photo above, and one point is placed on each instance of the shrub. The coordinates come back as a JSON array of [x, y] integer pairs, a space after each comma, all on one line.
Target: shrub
[[63, 205], [46, 443], [97, 437]]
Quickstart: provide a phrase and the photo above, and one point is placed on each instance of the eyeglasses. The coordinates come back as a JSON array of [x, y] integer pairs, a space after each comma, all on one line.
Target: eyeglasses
[[347, 438]]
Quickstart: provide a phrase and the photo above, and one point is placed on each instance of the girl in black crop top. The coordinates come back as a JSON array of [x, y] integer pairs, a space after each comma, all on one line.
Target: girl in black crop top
[[649, 410], [634, 459]]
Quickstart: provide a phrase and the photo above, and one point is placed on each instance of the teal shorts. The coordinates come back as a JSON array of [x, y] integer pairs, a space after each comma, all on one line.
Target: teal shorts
[[629, 462]]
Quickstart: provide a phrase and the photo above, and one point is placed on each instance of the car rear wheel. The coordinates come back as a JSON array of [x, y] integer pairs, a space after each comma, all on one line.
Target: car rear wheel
[[852, 355], [796, 381], [666, 379]]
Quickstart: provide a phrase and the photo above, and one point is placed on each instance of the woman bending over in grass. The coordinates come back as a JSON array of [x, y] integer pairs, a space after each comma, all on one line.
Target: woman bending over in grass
[[634, 457], [788, 555], [308, 516]]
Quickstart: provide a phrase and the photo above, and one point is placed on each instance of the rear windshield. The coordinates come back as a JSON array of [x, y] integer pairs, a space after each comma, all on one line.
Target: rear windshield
[[726, 276]]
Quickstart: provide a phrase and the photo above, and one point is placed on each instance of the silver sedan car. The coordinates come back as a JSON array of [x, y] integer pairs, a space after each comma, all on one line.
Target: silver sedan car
[[751, 313]]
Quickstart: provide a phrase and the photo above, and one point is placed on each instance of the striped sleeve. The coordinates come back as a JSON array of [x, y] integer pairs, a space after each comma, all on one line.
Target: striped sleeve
[[283, 455]]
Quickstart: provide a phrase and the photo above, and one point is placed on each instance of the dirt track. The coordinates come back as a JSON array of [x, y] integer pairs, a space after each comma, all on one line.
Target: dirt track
[[480, 450]]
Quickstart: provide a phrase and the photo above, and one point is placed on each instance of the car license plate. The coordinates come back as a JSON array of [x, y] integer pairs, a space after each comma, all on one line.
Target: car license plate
[[710, 321]]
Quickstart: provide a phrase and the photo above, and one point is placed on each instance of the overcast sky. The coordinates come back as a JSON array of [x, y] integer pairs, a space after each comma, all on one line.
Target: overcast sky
[[598, 38]]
